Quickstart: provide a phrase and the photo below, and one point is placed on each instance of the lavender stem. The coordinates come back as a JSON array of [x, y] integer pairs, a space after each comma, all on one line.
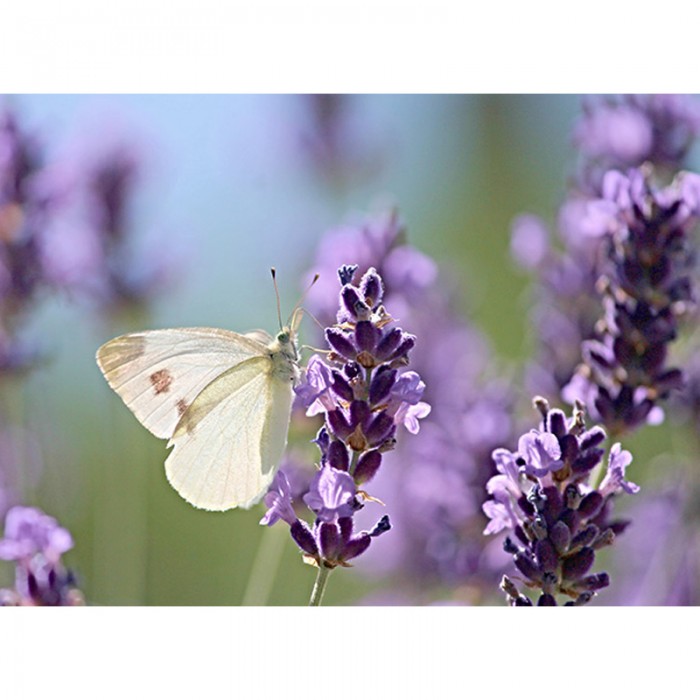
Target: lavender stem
[[319, 585]]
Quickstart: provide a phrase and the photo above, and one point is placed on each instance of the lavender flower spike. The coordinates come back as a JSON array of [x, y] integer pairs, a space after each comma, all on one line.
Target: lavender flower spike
[[365, 396], [557, 519], [646, 289]]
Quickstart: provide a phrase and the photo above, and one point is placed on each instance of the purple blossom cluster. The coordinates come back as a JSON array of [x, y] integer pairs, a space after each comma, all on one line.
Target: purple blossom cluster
[[545, 496], [36, 543], [436, 503], [364, 395], [607, 230], [646, 290]]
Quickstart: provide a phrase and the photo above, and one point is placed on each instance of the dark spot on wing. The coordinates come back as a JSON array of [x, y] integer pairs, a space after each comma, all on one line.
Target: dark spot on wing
[[161, 380], [181, 407]]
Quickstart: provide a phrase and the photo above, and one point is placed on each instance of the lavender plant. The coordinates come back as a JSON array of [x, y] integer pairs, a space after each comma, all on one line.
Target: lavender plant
[[436, 504], [646, 289], [92, 248], [363, 394], [546, 497], [614, 133], [23, 214], [36, 542]]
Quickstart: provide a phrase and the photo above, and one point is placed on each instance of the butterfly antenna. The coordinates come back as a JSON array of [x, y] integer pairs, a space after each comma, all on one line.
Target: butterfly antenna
[[297, 307], [273, 272], [313, 318]]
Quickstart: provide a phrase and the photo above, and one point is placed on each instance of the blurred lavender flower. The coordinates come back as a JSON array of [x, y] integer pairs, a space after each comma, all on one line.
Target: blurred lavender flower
[[623, 133], [91, 249], [364, 397], [647, 289], [544, 495], [436, 504], [36, 542], [336, 142], [23, 215]]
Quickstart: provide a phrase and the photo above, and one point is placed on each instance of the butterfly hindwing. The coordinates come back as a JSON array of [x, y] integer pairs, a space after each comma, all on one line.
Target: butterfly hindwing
[[227, 445]]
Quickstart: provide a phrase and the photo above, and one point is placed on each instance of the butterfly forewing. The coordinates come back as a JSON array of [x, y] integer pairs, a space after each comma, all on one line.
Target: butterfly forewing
[[159, 374], [225, 453]]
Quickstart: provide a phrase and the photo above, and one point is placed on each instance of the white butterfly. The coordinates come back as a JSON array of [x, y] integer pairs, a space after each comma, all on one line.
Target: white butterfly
[[223, 399]]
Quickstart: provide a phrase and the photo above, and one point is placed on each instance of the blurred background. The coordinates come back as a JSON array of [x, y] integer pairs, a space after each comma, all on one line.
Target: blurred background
[[164, 211]]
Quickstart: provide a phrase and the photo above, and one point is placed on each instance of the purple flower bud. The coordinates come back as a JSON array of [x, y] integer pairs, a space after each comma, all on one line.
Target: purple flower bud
[[556, 423], [356, 546], [367, 466], [379, 429], [338, 456], [527, 567], [329, 541], [346, 273], [342, 387], [360, 413], [388, 344], [351, 301], [547, 558], [339, 424], [591, 504], [384, 525], [585, 462], [382, 384], [405, 346], [594, 582], [340, 342], [323, 440], [571, 518], [578, 564], [592, 438], [560, 536], [372, 288], [585, 537], [303, 536], [367, 335], [352, 370]]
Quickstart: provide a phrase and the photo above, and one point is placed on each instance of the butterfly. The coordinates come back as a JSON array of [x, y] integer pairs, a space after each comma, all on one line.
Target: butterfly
[[222, 399]]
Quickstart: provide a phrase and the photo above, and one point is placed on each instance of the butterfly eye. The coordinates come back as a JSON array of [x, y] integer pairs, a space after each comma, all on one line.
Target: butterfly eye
[[283, 337]]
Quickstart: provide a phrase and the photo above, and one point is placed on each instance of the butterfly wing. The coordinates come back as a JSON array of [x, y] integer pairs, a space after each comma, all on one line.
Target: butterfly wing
[[158, 374], [229, 443]]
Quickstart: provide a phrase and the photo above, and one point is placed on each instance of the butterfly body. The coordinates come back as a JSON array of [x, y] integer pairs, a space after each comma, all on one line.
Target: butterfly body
[[222, 399]]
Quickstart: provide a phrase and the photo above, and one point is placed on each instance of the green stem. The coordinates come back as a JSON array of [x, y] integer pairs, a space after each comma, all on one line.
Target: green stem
[[264, 569], [320, 586]]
